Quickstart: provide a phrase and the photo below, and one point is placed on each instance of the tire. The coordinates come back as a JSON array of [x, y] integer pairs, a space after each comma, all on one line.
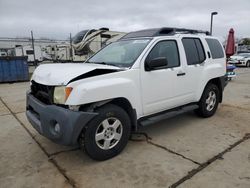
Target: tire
[[106, 135], [209, 101], [248, 64]]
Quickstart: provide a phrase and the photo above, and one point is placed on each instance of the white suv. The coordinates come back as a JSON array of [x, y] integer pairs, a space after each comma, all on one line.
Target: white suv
[[144, 76]]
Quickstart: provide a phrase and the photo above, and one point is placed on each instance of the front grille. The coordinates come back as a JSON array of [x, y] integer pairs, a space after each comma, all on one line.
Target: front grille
[[42, 92]]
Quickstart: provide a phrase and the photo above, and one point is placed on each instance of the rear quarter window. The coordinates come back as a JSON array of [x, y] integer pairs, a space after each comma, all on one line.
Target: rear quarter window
[[215, 48]]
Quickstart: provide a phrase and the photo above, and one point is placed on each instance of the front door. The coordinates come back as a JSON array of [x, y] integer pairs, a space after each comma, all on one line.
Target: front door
[[158, 91]]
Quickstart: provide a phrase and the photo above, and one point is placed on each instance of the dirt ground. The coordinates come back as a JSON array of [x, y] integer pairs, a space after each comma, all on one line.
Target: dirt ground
[[184, 151]]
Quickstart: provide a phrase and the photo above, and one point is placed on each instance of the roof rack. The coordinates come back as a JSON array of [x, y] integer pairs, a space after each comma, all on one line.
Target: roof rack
[[162, 32], [189, 31]]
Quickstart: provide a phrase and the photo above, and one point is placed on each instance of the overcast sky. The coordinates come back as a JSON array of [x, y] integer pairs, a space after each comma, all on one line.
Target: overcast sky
[[57, 18]]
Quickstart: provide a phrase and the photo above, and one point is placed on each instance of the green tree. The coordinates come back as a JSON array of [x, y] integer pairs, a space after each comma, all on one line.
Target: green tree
[[245, 41]]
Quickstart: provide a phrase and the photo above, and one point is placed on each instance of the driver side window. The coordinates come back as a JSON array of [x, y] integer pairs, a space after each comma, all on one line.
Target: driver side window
[[167, 49]]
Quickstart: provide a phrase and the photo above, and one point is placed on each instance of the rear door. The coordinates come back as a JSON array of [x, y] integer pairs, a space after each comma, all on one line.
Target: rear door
[[194, 67]]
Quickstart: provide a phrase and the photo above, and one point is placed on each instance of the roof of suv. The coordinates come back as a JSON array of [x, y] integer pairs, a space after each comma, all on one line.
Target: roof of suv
[[164, 31]]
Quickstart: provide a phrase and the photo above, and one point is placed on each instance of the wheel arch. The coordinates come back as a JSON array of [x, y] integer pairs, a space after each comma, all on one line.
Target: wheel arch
[[121, 102], [127, 107], [248, 63], [220, 83]]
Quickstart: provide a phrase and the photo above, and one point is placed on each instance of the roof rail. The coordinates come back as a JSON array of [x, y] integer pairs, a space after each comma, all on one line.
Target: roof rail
[[183, 30], [162, 32]]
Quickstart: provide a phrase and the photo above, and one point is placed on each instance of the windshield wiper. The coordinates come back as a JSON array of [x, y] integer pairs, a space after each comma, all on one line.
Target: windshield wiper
[[102, 63]]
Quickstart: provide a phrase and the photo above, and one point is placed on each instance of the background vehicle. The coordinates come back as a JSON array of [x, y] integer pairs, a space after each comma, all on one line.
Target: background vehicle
[[88, 42], [242, 59], [58, 53], [3, 53], [244, 51], [143, 77], [231, 72], [84, 44], [28, 51]]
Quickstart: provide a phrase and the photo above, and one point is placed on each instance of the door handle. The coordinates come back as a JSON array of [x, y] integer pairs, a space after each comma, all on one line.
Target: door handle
[[181, 74]]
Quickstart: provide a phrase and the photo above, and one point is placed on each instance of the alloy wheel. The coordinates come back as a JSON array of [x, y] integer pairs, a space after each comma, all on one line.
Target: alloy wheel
[[211, 101], [108, 133]]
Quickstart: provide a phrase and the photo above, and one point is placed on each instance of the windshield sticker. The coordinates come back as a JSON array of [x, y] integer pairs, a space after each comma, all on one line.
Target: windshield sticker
[[140, 41]]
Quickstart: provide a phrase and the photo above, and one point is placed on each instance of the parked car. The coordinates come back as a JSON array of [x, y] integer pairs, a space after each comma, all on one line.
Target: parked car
[[242, 59], [28, 51], [141, 77], [3, 54], [243, 51], [231, 72]]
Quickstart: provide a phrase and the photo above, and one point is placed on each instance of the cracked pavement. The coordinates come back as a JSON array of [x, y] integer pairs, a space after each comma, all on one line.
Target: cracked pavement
[[183, 151]]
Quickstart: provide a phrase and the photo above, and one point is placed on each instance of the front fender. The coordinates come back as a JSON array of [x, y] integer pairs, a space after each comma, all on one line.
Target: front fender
[[104, 89]]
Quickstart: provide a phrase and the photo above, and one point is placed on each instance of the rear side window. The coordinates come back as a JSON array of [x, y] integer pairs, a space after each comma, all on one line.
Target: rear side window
[[167, 49], [194, 50], [215, 48]]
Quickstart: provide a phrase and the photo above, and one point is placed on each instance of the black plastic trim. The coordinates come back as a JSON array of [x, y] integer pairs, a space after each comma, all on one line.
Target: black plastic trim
[[172, 112], [162, 32], [44, 117]]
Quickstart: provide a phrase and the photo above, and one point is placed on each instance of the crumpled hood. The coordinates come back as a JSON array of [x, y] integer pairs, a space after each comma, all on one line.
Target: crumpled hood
[[61, 74]]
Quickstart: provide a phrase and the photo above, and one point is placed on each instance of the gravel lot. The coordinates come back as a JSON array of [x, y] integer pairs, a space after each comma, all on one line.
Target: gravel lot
[[184, 151]]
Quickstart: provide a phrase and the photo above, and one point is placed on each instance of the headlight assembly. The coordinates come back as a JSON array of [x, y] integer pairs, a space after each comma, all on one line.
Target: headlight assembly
[[61, 94]]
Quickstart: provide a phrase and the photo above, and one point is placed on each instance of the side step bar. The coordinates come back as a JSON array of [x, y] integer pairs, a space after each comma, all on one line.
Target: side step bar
[[166, 114]]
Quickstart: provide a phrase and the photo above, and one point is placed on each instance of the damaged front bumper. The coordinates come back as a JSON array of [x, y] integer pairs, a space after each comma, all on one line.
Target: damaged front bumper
[[61, 125]]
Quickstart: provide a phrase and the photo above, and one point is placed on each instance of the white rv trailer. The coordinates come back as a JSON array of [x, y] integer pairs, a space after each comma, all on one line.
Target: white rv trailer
[[84, 44], [58, 52], [28, 51], [88, 42]]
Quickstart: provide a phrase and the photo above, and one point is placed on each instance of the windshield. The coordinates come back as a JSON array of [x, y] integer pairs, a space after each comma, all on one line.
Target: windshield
[[121, 53]]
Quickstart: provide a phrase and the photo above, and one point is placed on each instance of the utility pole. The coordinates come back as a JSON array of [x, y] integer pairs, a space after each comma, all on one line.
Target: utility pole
[[211, 24], [71, 49], [33, 46]]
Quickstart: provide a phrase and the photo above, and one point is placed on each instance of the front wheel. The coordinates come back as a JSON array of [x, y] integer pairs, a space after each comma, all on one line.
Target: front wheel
[[248, 64], [106, 135], [209, 101]]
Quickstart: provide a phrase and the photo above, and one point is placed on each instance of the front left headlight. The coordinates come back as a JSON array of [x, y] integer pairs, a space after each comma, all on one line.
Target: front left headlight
[[61, 94]]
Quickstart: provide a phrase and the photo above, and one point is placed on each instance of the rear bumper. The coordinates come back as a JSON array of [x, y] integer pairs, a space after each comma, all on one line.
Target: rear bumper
[[231, 74], [224, 81], [44, 118]]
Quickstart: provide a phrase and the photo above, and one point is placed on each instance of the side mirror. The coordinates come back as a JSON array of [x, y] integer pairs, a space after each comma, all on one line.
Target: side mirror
[[157, 63]]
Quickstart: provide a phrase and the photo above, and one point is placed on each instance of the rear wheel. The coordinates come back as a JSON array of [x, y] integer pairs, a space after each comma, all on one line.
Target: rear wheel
[[107, 134], [209, 101]]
